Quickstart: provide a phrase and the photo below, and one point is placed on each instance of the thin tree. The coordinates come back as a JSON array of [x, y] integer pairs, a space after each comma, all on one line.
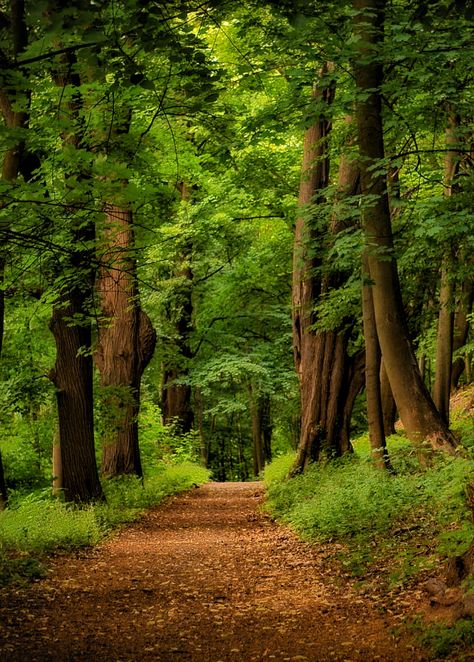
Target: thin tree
[[445, 332]]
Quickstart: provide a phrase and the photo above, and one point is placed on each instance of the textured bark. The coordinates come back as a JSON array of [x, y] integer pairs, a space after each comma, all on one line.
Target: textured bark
[[126, 342], [389, 408], [72, 376], [373, 360], [320, 356], [417, 411], [71, 326], [57, 467]]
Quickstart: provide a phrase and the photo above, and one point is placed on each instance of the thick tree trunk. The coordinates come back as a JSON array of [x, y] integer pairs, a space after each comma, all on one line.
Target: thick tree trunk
[[72, 376], [389, 408], [71, 324], [420, 417], [320, 356], [57, 467], [126, 342], [373, 361], [176, 404]]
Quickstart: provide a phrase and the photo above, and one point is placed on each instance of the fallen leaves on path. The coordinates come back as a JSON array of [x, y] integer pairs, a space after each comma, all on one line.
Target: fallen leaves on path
[[205, 578]]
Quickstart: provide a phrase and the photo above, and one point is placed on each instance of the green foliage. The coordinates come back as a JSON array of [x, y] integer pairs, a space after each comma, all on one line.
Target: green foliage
[[278, 469], [352, 501], [19, 569], [37, 523], [166, 443], [443, 640]]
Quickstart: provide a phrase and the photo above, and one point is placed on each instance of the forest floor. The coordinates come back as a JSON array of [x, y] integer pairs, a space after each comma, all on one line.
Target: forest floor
[[206, 577]]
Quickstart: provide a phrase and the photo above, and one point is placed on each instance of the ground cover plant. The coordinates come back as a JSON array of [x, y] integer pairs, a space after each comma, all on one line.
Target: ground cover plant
[[37, 523], [399, 527]]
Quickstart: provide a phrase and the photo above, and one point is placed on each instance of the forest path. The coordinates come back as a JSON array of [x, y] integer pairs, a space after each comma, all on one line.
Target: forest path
[[203, 578]]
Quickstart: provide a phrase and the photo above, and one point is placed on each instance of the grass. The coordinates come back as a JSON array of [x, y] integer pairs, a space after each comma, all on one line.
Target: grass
[[37, 524], [374, 513], [392, 527], [446, 641]]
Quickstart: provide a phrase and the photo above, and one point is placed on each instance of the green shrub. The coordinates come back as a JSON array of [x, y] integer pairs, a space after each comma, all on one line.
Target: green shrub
[[446, 640], [351, 500], [42, 525], [37, 523], [278, 470]]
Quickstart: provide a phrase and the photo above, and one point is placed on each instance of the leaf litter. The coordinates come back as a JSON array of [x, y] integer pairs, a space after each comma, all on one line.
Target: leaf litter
[[206, 577]]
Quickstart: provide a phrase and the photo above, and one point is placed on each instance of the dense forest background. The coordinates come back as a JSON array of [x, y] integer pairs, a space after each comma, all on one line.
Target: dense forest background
[[231, 229]]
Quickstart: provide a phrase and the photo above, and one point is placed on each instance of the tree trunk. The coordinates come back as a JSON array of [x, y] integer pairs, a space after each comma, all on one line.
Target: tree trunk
[[445, 339], [444, 345], [320, 356], [71, 322], [14, 121], [126, 341], [176, 405], [57, 467], [72, 376], [467, 361], [176, 398], [461, 329], [389, 408], [373, 360], [419, 415]]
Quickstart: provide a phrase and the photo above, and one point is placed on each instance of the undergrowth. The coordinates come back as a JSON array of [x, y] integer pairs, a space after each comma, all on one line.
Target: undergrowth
[[446, 641], [390, 527], [36, 523], [374, 513]]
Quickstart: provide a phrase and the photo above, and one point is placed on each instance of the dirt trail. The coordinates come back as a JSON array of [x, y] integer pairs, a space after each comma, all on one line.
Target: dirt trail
[[206, 577]]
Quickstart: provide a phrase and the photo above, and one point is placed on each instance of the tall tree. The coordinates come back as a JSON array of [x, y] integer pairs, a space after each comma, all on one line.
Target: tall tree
[[373, 364], [176, 405], [321, 356], [419, 415], [125, 344], [70, 323], [12, 98], [445, 335]]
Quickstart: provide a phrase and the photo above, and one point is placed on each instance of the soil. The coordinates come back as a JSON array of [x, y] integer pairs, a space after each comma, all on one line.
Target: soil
[[206, 577]]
